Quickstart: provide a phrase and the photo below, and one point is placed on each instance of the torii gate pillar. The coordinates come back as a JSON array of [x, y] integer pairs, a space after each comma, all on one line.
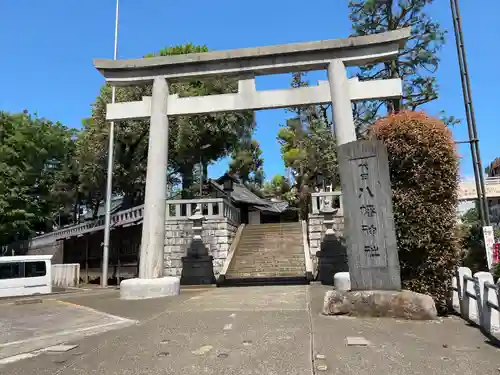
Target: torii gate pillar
[[343, 121]]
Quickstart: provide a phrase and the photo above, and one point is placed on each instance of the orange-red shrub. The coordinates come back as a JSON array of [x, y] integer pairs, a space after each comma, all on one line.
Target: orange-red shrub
[[424, 174]]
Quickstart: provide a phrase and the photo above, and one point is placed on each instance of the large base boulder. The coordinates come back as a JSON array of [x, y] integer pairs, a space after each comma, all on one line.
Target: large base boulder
[[133, 289], [380, 303]]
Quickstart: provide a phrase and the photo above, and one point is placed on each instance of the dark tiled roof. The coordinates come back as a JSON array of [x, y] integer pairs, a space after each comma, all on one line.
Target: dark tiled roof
[[243, 194]]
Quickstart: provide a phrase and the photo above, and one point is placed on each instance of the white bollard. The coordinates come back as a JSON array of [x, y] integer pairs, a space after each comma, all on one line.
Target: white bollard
[[455, 298], [468, 306], [489, 316], [342, 281]]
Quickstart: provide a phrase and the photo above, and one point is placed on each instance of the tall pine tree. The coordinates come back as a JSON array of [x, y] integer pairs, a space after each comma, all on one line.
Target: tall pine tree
[[416, 63]]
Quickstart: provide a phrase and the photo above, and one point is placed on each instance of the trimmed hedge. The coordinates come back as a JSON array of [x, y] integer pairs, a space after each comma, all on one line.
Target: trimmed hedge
[[424, 174]]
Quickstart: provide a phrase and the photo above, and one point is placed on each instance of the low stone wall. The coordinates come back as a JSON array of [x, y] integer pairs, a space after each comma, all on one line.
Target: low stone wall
[[218, 234]]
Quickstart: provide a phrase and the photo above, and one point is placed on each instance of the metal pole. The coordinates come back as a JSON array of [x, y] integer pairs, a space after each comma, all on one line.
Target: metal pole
[[109, 182], [471, 120]]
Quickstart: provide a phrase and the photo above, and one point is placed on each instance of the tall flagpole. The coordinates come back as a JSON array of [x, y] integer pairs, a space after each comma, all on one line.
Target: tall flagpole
[[109, 182]]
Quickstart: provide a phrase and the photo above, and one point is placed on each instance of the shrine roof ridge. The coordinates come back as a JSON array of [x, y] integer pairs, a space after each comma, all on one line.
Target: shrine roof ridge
[[258, 60]]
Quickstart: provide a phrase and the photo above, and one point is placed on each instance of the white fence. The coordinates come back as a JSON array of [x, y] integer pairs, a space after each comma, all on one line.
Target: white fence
[[476, 298], [211, 208], [66, 275]]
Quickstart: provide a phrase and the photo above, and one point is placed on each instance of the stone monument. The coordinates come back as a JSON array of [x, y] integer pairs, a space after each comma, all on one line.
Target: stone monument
[[369, 223], [372, 251]]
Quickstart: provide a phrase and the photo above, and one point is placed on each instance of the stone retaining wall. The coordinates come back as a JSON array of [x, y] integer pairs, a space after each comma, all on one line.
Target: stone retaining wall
[[56, 249], [328, 254], [218, 234], [317, 231]]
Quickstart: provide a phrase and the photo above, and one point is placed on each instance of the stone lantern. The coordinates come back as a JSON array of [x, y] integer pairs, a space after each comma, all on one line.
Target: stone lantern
[[328, 213], [197, 265]]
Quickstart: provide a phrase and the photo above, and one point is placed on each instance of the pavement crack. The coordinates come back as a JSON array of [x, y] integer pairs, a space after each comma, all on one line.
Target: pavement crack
[[311, 331]]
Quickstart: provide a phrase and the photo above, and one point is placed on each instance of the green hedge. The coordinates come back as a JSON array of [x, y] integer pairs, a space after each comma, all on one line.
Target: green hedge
[[424, 175]]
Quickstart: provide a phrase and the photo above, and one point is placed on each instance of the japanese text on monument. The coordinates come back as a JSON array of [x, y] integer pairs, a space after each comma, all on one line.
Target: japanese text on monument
[[372, 248]]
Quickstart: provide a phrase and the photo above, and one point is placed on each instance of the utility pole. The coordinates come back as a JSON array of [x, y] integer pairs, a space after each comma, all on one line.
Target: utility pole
[[471, 119], [109, 182]]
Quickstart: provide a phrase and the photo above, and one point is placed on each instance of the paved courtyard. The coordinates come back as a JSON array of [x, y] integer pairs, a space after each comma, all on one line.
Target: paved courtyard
[[252, 330]]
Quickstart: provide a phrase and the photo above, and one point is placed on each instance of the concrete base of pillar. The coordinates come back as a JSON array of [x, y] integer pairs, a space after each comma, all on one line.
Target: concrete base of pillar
[[133, 289]]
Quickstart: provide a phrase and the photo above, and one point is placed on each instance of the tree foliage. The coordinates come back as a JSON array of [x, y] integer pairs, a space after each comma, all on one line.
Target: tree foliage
[[416, 63], [424, 175], [472, 241], [248, 164], [309, 150], [191, 138], [280, 188], [37, 176]]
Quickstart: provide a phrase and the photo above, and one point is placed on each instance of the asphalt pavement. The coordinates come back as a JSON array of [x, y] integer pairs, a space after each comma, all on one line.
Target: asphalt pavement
[[256, 330]]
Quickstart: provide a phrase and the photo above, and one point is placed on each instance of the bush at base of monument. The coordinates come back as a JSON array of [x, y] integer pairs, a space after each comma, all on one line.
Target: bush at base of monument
[[424, 174]]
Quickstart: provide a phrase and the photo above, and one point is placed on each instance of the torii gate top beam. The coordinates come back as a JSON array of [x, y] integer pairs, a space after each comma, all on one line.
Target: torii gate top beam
[[285, 58]]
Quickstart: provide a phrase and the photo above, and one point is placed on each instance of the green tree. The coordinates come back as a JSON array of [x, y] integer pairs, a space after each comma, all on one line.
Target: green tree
[[36, 174], [191, 138], [308, 148], [417, 62], [280, 188], [248, 164], [472, 241]]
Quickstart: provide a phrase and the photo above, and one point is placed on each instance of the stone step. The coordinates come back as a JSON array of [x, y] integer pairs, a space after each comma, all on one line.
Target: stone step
[[263, 229], [269, 261], [270, 236], [271, 258], [263, 274], [272, 225], [251, 227], [241, 265], [272, 230], [272, 240], [262, 248], [296, 271], [269, 251], [263, 281], [267, 264], [266, 253]]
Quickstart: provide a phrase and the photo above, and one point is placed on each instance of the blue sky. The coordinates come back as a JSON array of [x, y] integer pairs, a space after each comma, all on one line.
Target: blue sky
[[46, 66]]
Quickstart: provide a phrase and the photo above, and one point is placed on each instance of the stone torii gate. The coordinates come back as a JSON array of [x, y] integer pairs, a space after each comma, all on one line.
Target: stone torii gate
[[332, 55]]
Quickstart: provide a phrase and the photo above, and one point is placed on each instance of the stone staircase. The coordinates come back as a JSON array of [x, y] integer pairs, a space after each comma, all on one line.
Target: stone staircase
[[268, 254]]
